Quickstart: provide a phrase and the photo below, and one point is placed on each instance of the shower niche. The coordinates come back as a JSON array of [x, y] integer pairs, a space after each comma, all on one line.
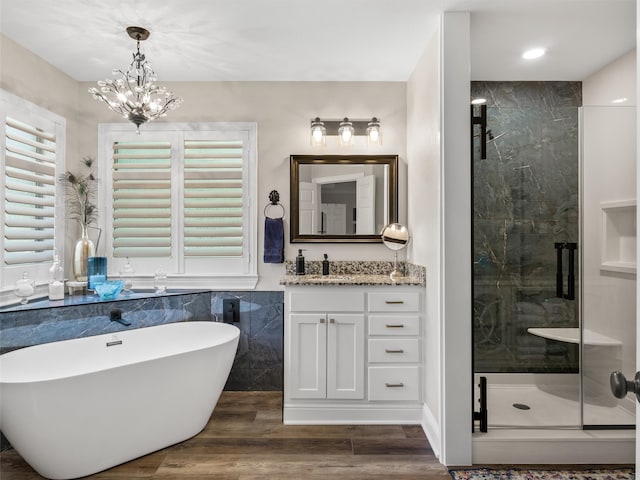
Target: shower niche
[[618, 236]]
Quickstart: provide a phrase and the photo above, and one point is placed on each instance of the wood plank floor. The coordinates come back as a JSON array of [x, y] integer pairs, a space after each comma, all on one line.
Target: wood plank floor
[[246, 440]]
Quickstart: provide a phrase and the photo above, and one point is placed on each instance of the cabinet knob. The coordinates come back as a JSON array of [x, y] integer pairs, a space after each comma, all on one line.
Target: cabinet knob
[[394, 385], [394, 302], [394, 325], [322, 320], [394, 351], [332, 320]]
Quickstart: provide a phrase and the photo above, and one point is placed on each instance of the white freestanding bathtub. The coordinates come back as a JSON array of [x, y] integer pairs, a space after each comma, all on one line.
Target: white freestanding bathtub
[[76, 407]]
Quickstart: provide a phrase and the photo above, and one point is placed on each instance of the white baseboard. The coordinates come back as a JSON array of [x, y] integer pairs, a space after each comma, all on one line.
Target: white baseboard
[[351, 415], [532, 446], [431, 429]]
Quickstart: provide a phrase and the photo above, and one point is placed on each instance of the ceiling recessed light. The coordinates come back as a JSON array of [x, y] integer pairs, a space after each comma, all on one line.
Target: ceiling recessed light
[[620, 100], [534, 53], [478, 101]]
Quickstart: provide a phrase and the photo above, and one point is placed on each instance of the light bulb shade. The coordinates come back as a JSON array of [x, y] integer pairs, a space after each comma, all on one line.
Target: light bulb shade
[[374, 134], [346, 132], [318, 133]]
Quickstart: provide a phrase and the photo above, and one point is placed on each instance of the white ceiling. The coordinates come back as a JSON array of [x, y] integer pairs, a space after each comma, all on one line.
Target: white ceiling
[[317, 40]]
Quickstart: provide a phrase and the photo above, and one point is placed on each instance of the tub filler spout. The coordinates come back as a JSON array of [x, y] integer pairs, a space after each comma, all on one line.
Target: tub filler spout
[[116, 316]]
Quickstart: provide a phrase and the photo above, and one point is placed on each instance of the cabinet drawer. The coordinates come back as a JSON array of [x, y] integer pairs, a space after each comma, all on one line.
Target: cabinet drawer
[[394, 383], [394, 350], [329, 300], [394, 302], [394, 325]]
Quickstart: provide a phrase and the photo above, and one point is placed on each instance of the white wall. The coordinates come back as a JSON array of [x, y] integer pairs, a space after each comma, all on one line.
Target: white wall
[[282, 110], [456, 240], [614, 81], [423, 213], [608, 171]]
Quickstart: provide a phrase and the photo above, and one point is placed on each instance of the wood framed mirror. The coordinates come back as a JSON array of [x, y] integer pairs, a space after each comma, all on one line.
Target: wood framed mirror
[[342, 198]]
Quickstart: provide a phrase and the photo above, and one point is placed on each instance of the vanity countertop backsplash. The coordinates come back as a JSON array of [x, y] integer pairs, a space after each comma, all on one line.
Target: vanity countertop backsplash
[[353, 273]]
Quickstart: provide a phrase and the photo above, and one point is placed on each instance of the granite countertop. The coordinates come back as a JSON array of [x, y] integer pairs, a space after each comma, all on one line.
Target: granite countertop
[[355, 279]]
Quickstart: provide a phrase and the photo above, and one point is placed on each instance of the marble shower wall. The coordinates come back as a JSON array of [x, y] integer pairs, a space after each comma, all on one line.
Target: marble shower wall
[[525, 199]]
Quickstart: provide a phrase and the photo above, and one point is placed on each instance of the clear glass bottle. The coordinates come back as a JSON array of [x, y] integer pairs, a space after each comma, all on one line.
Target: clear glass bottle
[[126, 274], [160, 281], [56, 279]]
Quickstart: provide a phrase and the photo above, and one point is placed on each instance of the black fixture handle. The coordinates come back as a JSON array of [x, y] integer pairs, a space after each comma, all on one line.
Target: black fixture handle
[[116, 316], [571, 277], [482, 416], [620, 386], [482, 121], [559, 279]]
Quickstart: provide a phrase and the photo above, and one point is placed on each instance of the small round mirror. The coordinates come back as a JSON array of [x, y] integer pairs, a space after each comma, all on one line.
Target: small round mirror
[[395, 236]]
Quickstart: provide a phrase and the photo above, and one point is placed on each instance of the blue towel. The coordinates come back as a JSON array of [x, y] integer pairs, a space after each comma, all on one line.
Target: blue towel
[[273, 240]]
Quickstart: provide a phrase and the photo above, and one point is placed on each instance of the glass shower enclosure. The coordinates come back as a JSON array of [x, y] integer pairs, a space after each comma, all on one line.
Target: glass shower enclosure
[[528, 331]]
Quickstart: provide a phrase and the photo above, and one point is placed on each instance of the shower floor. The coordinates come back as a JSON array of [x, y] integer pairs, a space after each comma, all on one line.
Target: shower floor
[[516, 404]]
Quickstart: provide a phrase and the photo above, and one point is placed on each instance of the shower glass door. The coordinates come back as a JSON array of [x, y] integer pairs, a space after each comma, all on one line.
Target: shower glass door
[[609, 261], [526, 251]]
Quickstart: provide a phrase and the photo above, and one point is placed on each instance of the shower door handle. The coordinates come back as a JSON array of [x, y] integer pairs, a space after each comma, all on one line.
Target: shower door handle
[[482, 121], [559, 276], [571, 276], [620, 386]]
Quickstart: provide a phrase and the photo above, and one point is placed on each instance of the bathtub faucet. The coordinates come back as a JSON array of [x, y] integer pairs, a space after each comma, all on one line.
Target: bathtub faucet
[[116, 316]]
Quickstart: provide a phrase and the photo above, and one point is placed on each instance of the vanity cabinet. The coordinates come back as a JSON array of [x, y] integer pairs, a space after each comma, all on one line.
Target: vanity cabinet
[[353, 354], [327, 352]]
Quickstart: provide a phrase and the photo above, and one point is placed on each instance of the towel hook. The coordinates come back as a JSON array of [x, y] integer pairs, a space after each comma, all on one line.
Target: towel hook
[[274, 199]]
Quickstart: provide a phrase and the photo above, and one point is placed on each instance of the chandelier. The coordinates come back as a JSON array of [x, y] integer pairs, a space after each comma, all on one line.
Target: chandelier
[[134, 95]]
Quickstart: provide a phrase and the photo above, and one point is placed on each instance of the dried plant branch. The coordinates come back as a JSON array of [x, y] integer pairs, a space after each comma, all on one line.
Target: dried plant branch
[[80, 192]]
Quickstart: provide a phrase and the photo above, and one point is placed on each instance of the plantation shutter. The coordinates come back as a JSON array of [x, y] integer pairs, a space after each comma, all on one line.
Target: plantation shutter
[[30, 187], [213, 198], [142, 199]]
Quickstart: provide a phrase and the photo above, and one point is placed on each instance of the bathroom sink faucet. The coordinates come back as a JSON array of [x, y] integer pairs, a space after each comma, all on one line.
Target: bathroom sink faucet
[[116, 316]]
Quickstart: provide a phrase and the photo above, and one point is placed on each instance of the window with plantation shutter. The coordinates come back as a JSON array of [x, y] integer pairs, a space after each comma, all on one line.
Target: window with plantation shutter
[[141, 199], [213, 198], [32, 199], [182, 198]]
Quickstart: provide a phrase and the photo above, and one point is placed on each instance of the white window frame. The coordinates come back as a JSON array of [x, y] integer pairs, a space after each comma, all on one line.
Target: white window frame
[[206, 273], [22, 110]]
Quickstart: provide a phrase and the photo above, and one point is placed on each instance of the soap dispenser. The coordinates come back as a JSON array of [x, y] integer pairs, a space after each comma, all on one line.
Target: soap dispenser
[[300, 263], [325, 265]]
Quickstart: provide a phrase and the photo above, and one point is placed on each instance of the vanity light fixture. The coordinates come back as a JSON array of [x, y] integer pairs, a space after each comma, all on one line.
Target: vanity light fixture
[[318, 133], [346, 130], [134, 95], [374, 135]]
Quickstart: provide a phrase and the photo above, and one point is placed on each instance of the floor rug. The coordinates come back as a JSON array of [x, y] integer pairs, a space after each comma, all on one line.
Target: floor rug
[[523, 474]]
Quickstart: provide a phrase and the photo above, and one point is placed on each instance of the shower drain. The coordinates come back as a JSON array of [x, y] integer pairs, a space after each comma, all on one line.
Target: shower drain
[[521, 406]]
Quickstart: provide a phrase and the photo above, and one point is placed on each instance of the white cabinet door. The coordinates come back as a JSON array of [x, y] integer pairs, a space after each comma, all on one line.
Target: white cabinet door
[[345, 356], [308, 344]]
